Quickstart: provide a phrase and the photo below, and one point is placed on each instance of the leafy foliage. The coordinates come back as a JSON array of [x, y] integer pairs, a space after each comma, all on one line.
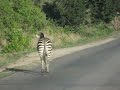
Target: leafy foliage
[[102, 10], [71, 11], [51, 11], [19, 18], [16, 41], [21, 13], [65, 12]]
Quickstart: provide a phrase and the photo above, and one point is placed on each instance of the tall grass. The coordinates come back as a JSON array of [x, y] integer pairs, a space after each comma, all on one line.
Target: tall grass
[[64, 37]]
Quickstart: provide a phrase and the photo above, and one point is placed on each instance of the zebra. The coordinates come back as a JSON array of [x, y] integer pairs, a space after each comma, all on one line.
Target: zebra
[[44, 48]]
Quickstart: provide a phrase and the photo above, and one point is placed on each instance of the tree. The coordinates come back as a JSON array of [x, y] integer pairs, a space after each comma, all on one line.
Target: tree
[[102, 10], [65, 12], [71, 12]]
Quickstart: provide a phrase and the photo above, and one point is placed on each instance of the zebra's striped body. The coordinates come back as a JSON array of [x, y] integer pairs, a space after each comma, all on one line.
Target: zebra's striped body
[[44, 48]]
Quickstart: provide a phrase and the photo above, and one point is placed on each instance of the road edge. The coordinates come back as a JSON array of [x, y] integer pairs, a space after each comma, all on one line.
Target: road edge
[[62, 52]]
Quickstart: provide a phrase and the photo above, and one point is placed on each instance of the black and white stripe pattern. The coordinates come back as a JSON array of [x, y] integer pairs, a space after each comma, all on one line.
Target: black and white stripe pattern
[[44, 48]]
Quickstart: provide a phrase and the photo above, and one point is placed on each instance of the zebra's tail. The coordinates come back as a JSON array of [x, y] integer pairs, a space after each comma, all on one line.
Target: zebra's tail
[[44, 53]]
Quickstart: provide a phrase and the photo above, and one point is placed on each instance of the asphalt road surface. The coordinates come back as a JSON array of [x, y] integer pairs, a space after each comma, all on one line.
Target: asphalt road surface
[[96, 68]]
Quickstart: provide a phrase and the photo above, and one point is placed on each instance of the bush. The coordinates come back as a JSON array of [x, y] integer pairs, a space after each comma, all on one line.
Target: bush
[[16, 41], [65, 12], [21, 14], [102, 10], [19, 19]]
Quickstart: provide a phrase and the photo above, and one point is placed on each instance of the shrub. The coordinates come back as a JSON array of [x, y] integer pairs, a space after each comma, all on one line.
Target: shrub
[[21, 14], [16, 41], [102, 10], [65, 12], [18, 19]]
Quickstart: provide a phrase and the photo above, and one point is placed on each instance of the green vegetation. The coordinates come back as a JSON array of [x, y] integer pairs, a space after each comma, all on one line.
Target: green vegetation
[[5, 73], [66, 22], [18, 19], [17, 41], [65, 12], [103, 10], [21, 19], [67, 36], [5, 59]]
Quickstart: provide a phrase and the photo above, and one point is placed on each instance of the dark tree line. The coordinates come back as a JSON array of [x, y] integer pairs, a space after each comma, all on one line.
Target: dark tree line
[[74, 12], [103, 10]]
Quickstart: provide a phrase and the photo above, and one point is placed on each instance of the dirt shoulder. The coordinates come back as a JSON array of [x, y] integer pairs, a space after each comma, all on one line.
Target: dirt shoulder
[[33, 58]]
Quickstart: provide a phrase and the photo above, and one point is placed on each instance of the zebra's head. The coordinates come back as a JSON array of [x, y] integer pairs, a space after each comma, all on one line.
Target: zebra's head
[[40, 35]]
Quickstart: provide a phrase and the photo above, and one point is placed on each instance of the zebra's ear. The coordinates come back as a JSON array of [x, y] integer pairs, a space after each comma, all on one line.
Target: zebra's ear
[[37, 36]]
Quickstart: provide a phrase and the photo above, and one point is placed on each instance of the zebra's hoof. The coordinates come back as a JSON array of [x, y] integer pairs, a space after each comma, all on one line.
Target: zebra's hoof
[[42, 71], [47, 71]]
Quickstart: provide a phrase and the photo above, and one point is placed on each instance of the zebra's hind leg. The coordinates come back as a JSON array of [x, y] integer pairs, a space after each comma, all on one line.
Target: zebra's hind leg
[[42, 66], [47, 66]]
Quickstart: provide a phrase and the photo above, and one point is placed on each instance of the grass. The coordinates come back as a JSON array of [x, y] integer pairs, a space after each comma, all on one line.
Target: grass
[[5, 74], [23, 68], [6, 59], [65, 38]]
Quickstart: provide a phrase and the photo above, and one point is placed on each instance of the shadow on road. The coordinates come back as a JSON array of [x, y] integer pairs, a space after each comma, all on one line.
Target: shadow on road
[[23, 70], [32, 72]]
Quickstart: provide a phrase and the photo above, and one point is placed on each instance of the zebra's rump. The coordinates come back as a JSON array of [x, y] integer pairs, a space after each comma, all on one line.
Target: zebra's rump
[[44, 47]]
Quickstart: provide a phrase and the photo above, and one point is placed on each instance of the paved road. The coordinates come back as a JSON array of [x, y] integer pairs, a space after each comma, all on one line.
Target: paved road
[[96, 68]]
